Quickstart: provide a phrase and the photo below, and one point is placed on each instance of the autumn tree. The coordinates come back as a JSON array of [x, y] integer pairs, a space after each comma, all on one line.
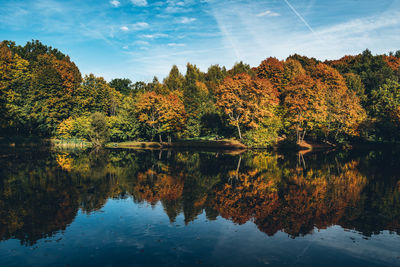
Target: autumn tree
[[344, 111], [246, 101], [304, 105], [273, 70], [54, 85], [393, 62], [164, 114], [292, 68]]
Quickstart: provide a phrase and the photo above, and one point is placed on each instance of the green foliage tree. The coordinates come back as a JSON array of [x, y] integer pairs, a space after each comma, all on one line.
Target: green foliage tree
[[240, 67], [125, 126], [124, 86], [98, 131], [175, 80], [14, 85], [95, 94], [385, 108], [195, 98]]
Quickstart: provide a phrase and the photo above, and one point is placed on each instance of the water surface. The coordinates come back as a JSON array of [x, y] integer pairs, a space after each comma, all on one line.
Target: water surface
[[169, 208]]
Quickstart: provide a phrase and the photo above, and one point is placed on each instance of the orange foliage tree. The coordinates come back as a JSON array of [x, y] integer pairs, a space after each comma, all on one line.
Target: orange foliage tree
[[393, 62], [164, 113], [246, 101], [273, 70], [344, 111], [304, 105]]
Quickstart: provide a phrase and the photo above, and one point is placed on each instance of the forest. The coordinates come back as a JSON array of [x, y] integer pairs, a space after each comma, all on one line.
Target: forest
[[353, 99]]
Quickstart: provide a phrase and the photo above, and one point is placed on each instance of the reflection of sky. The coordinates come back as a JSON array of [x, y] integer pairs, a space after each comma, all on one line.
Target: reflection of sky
[[127, 233], [138, 39]]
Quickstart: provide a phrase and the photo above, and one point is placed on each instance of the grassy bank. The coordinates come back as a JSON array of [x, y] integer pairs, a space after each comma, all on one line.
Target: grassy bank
[[205, 144], [70, 143]]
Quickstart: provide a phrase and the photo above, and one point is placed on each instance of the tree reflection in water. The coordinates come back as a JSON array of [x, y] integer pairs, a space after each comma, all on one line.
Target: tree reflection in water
[[41, 191]]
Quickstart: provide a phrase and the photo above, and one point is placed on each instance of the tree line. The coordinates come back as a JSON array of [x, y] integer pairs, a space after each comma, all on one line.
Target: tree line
[[355, 98]]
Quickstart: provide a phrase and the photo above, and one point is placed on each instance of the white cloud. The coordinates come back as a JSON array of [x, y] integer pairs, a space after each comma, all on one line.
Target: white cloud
[[115, 3], [176, 45], [135, 27], [139, 2], [186, 20], [251, 41], [174, 6], [154, 36], [124, 28], [141, 42], [174, 9], [268, 13], [141, 25]]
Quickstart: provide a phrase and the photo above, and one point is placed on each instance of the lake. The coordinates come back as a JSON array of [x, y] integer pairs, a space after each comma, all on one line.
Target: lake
[[173, 208]]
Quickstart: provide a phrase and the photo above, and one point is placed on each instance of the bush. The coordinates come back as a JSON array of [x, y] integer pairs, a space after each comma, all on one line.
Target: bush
[[263, 136], [98, 133]]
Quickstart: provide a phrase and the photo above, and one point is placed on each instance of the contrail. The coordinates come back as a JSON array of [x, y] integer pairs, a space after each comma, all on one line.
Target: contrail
[[300, 17]]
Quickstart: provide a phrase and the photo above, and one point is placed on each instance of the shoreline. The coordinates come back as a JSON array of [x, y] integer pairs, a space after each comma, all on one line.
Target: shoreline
[[226, 144], [206, 144]]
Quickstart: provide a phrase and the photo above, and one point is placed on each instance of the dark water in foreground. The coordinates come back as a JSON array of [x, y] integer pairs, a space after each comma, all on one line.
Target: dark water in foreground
[[162, 208]]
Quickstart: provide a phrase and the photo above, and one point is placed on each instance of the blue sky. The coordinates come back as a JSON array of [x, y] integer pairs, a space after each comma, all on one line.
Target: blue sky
[[138, 39]]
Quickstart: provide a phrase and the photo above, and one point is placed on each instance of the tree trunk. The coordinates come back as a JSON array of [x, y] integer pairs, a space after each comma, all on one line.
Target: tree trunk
[[169, 139], [160, 138], [240, 134], [304, 134]]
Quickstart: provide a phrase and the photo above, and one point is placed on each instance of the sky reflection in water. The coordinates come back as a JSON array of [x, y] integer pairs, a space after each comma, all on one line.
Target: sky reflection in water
[[172, 208]]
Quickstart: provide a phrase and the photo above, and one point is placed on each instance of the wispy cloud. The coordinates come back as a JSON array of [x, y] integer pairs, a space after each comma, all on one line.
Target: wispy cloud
[[175, 6], [124, 28], [182, 29], [140, 25], [141, 42], [249, 40], [268, 13], [154, 36], [139, 2], [176, 45], [134, 27], [186, 20], [115, 3]]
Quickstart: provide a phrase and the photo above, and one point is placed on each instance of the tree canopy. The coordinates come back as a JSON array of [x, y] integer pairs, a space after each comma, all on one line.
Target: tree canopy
[[354, 98]]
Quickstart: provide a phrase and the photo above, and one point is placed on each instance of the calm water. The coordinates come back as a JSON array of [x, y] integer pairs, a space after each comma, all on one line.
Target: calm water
[[168, 208]]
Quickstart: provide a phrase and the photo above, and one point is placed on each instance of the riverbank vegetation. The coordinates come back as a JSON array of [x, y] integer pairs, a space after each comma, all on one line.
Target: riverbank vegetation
[[352, 99]]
